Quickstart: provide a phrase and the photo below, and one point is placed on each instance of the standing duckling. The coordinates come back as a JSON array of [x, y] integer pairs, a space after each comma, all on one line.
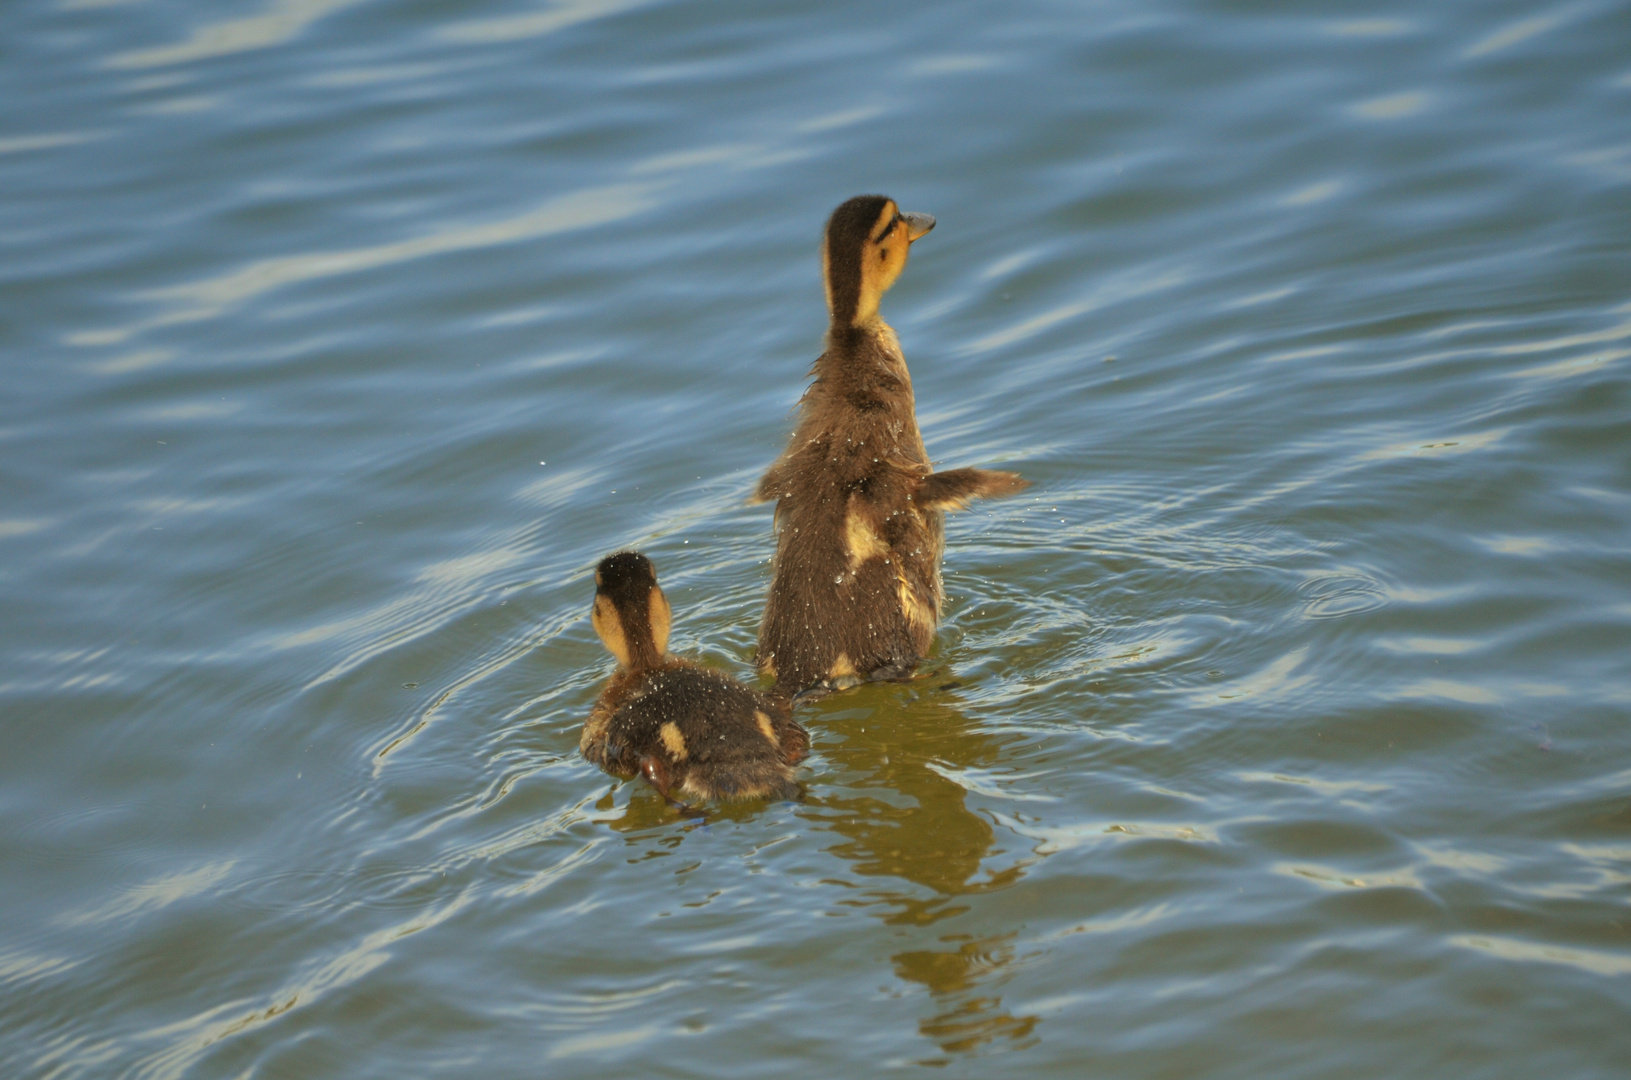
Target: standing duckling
[[860, 522], [697, 735]]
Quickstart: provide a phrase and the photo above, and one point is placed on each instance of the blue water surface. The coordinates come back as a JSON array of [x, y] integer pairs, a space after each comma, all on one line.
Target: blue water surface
[[1279, 730]]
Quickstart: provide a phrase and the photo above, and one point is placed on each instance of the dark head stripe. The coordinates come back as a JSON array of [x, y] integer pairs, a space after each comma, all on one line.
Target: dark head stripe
[[848, 231]]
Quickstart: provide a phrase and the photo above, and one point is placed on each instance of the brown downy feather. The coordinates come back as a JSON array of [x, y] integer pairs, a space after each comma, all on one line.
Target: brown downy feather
[[860, 513], [697, 735]]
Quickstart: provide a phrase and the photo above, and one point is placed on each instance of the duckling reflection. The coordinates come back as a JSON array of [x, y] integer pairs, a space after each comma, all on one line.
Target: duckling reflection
[[953, 976], [916, 827], [902, 816]]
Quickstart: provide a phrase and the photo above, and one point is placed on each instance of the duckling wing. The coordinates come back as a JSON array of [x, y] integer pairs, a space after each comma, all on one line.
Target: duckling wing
[[954, 489], [770, 487]]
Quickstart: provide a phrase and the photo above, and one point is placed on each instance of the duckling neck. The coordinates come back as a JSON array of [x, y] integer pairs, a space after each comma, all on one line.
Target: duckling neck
[[869, 343], [644, 656]]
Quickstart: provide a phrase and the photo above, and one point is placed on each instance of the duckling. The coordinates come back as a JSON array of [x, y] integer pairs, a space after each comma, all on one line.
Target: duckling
[[697, 735], [860, 513]]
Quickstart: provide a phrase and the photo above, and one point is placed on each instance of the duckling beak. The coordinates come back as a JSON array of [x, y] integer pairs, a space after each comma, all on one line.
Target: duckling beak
[[917, 225]]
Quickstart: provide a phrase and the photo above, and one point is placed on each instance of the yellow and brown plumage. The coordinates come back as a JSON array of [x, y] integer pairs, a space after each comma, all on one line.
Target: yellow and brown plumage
[[860, 512], [697, 735]]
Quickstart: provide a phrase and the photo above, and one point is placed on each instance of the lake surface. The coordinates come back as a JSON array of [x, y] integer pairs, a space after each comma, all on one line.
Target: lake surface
[[1282, 729]]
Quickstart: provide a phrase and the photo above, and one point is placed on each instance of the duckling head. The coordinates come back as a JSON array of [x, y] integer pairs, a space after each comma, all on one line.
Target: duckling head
[[863, 252], [631, 614]]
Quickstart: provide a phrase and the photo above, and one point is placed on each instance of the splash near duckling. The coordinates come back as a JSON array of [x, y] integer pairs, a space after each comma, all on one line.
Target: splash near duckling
[[860, 512], [697, 735]]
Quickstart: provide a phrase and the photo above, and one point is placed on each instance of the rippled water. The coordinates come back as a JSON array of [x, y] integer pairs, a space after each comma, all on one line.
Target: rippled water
[[1279, 730]]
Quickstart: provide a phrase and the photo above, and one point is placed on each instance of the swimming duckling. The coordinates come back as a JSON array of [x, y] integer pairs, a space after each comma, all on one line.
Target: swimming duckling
[[860, 523], [697, 735]]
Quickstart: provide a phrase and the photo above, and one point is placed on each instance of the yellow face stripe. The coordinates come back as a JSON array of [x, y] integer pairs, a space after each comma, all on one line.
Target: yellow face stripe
[[662, 618], [609, 626], [883, 257], [887, 218]]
